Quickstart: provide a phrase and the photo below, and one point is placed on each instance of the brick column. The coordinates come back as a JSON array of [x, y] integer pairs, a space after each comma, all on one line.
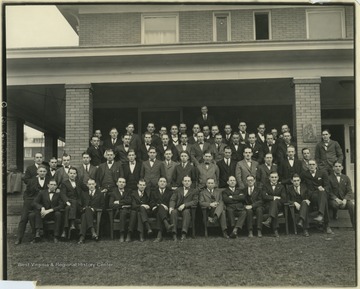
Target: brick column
[[15, 142], [307, 113], [78, 120], [50, 146]]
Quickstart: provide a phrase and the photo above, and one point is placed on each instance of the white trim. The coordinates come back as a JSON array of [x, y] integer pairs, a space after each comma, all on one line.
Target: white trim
[[327, 9], [169, 15], [269, 23], [228, 17]]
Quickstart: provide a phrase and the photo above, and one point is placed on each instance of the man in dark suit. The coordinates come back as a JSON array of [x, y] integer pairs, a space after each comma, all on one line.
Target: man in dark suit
[[53, 166], [317, 183], [198, 149], [34, 186], [135, 140], [31, 171], [244, 136], [184, 145], [166, 144], [184, 168], [132, 170], [144, 148], [270, 146], [274, 200], [47, 207], [306, 157], [155, 138], [226, 168], [205, 118], [289, 166], [96, 152], [113, 141], [61, 174], [211, 200], [86, 170], [169, 166], [341, 195], [92, 200], [263, 171], [122, 150], [182, 128], [234, 201], [140, 210], [260, 136], [218, 147], [120, 203], [195, 130], [207, 136], [281, 152], [257, 149], [174, 137], [228, 134], [98, 134], [152, 169], [70, 192], [181, 202], [159, 203], [298, 197], [237, 148], [253, 204]]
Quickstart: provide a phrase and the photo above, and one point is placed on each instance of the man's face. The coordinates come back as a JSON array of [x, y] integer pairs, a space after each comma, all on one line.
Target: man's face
[[72, 174], [270, 139], [98, 133], [274, 132], [231, 182], [296, 181], [287, 137], [306, 154], [227, 153], [66, 161], [162, 183], [130, 128], [207, 157], [186, 182], [95, 141], [268, 159], [196, 129], [242, 126], [163, 130], [206, 130], [41, 172], [236, 138], [325, 136], [174, 130], [168, 155], [53, 163], [184, 139], [338, 168], [250, 181], [218, 139], [204, 110], [131, 156], [110, 156], [227, 129], [184, 157], [151, 128], [91, 184], [152, 154], [126, 140], [284, 128], [312, 166], [248, 154], [183, 127], [261, 129], [274, 178], [141, 186], [86, 159], [252, 138], [165, 139], [114, 133], [121, 183], [200, 137], [38, 159], [291, 152], [52, 186], [210, 184], [214, 130], [147, 139]]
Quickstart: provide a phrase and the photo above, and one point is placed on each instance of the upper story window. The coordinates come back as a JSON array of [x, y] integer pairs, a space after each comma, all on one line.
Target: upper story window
[[325, 23], [262, 25], [222, 29], [160, 28]]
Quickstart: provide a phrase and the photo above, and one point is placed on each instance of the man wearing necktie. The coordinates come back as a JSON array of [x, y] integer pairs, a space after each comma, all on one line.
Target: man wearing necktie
[[245, 167], [152, 169], [270, 146], [264, 170], [218, 147], [169, 166], [185, 168], [198, 149], [205, 118], [61, 175], [180, 203], [132, 170], [113, 141], [96, 151], [47, 205], [207, 169], [226, 167], [122, 149], [341, 195], [257, 149], [289, 166], [212, 205], [228, 133], [86, 170]]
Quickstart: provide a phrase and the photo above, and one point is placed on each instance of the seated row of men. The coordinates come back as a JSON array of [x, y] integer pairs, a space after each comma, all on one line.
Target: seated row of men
[[166, 204]]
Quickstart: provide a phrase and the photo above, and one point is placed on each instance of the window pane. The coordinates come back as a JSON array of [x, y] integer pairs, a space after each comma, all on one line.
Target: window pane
[[160, 29], [325, 25], [221, 28], [262, 26]]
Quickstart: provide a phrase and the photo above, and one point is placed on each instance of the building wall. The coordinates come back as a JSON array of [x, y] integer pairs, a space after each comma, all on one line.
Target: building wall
[[197, 26]]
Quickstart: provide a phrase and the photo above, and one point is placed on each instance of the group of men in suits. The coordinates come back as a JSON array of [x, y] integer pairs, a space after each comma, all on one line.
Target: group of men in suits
[[238, 175]]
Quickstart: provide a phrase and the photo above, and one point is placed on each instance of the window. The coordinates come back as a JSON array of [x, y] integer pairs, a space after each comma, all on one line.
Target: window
[[325, 24], [28, 153], [159, 29], [222, 29], [262, 25]]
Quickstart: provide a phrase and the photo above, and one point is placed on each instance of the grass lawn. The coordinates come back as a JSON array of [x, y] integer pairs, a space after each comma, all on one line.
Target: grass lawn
[[289, 260]]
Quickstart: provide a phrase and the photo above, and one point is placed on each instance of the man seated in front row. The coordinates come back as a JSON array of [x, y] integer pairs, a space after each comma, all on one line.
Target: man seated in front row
[[47, 205], [211, 200], [234, 202], [92, 200], [120, 202], [341, 194], [181, 202]]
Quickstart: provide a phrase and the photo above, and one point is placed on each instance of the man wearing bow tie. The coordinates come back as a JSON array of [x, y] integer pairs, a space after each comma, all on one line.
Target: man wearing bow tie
[[132, 170], [96, 152], [341, 194], [165, 145], [144, 148], [122, 150], [61, 175], [270, 146], [184, 145], [289, 166], [47, 205], [207, 169], [181, 202], [281, 152], [328, 152], [152, 169], [52, 167], [184, 168]]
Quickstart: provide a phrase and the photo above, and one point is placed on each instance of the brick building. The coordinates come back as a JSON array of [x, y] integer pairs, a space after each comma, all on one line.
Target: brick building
[[258, 63]]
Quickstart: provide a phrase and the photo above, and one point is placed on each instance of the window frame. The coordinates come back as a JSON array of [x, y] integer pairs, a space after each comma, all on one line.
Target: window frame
[[159, 15], [268, 12], [317, 11], [228, 13]]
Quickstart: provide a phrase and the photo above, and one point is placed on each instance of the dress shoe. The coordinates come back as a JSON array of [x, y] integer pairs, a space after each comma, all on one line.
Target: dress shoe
[[18, 242], [225, 235], [37, 236], [121, 240], [211, 220], [329, 231], [306, 233], [157, 240], [183, 237], [56, 240], [319, 218], [259, 234], [81, 241], [267, 223], [276, 234], [233, 234], [169, 227], [251, 234], [63, 235], [300, 224], [149, 232], [72, 227], [95, 237], [128, 238]]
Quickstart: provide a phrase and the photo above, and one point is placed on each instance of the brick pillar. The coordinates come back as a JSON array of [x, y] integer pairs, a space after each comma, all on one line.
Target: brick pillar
[[15, 142], [307, 113], [78, 120], [50, 146]]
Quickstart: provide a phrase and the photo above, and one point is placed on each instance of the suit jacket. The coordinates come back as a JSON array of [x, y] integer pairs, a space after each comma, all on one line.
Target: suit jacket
[[161, 152], [342, 189], [273, 151], [124, 199], [197, 153], [135, 141], [260, 142], [204, 174], [132, 178], [31, 171], [152, 174], [190, 200], [84, 176], [286, 171], [244, 140], [225, 172], [157, 199], [218, 151], [305, 166], [192, 140], [61, 175], [256, 198], [293, 196], [67, 192], [33, 188], [226, 140], [210, 121], [96, 202], [243, 170], [136, 201], [321, 178], [237, 155], [116, 172], [169, 171], [173, 142], [237, 200], [180, 149], [143, 153], [281, 151], [97, 155], [258, 153], [49, 173], [109, 145], [205, 199], [122, 153], [263, 173], [180, 173], [43, 200], [327, 157], [279, 191]]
